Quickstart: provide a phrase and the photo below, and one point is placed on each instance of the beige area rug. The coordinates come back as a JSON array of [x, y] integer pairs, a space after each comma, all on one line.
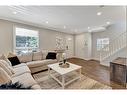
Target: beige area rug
[[47, 82]]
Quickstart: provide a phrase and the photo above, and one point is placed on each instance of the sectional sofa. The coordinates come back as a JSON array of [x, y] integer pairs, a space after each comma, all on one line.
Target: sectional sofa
[[30, 63], [36, 61]]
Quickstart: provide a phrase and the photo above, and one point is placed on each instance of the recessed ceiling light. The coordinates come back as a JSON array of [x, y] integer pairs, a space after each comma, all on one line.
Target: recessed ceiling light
[[64, 27], [99, 13], [14, 12], [88, 27], [107, 22], [47, 22]]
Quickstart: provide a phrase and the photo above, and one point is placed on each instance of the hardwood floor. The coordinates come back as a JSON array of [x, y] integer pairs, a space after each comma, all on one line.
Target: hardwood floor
[[94, 70]]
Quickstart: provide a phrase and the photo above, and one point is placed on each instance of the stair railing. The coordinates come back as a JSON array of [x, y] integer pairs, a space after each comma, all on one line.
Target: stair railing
[[114, 45]]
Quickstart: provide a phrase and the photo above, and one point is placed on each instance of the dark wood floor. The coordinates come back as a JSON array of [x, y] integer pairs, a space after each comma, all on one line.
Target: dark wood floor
[[94, 70]]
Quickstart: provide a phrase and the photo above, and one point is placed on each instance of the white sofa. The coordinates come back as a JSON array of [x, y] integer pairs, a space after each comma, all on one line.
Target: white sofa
[[30, 63], [36, 61], [19, 73], [23, 75]]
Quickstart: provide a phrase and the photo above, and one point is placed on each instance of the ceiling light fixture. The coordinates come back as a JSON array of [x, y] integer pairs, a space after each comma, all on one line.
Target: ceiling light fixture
[[47, 22], [108, 22], [64, 27], [99, 13], [14, 12], [88, 27]]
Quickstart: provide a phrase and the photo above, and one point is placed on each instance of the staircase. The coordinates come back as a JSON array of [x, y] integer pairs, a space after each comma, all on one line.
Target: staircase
[[113, 49]]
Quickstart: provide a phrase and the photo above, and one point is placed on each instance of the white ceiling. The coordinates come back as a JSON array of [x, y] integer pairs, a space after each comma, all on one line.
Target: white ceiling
[[77, 19]]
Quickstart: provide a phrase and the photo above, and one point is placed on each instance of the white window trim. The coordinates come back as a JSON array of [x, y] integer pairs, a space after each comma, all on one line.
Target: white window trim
[[14, 36], [102, 44]]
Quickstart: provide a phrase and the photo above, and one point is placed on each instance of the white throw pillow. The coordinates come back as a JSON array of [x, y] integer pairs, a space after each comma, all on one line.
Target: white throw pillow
[[44, 53], [37, 56], [8, 66], [2, 57], [4, 77], [11, 55], [27, 57], [3, 66]]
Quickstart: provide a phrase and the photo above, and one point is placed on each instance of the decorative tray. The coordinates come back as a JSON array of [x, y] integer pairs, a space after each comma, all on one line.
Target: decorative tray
[[64, 65]]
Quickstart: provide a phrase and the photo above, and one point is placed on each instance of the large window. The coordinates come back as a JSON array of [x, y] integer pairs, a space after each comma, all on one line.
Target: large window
[[26, 40], [101, 43]]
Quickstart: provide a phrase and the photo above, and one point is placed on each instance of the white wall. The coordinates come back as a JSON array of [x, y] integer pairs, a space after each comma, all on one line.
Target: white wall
[[47, 37], [6, 37]]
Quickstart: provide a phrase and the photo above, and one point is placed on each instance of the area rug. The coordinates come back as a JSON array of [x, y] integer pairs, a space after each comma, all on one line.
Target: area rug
[[47, 82]]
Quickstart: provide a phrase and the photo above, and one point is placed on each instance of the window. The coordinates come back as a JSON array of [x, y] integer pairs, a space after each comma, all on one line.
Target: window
[[101, 43], [26, 40]]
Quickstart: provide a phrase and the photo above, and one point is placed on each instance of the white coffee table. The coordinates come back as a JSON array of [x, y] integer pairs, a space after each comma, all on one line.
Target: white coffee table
[[63, 72]]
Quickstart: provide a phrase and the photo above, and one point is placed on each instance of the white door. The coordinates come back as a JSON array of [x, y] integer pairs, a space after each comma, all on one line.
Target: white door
[[79, 46], [83, 46]]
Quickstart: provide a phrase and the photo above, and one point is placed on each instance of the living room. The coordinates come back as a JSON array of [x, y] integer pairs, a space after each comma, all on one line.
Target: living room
[[88, 38]]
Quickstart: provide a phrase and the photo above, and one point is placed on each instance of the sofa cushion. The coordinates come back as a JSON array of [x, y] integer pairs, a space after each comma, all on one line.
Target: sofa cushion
[[2, 57], [44, 53], [4, 77], [14, 60], [37, 56], [34, 63], [40, 63], [8, 66], [27, 57], [21, 70], [26, 79], [3, 66], [37, 69], [19, 65]]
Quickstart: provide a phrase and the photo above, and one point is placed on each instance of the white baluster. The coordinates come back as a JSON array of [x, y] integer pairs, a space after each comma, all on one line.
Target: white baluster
[[115, 45]]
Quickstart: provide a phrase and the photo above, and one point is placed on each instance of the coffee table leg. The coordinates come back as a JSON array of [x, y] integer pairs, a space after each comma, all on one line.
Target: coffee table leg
[[63, 82]]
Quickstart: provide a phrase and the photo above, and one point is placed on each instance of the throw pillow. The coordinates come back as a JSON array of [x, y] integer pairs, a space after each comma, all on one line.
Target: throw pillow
[[11, 55], [26, 57], [2, 57], [14, 60], [4, 77], [3, 66], [37, 56], [51, 55], [8, 66], [44, 53]]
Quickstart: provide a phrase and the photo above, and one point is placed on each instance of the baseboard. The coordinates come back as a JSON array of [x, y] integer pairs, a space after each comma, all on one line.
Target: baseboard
[[105, 64], [83, 58]]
